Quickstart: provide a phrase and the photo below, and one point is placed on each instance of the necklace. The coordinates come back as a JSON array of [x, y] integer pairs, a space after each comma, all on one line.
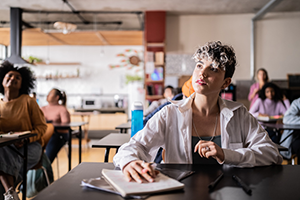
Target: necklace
[[214, 130]]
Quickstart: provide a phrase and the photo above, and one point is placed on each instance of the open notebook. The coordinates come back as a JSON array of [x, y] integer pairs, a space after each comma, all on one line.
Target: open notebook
[[269, 118], [162, 183], [14, 134]]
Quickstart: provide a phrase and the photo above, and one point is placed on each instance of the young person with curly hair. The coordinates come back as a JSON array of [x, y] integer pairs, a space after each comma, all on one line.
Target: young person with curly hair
[[18, 112], [201, 128]]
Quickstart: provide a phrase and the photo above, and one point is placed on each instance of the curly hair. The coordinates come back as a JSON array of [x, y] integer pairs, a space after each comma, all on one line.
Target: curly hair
[[28, 79], [222, 56], [278, 94]]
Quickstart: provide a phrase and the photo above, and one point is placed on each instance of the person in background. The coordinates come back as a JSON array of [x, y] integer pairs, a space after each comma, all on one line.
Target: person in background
[[291, 116], [262, 77], [187, 88], [56, 112], [18, 112], [203, 128], [168, 95], [178, 96], [33, 95], [270, 103]]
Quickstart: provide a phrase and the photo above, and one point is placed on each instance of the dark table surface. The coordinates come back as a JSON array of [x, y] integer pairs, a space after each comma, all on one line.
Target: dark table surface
[[68, 125], [282, 126], [271, 182], [112, 140]]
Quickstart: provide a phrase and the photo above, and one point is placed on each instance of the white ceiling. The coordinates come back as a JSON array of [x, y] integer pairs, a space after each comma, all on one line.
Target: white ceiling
[[131, 21]]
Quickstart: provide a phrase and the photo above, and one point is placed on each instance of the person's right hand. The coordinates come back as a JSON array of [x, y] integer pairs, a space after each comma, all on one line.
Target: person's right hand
[[137, 170]]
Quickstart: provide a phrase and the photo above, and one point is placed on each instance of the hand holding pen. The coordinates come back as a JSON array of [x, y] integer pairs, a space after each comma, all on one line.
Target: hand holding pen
[[138, 170]]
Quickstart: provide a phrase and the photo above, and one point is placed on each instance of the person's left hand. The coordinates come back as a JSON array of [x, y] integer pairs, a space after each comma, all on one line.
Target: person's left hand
[[209, 149]]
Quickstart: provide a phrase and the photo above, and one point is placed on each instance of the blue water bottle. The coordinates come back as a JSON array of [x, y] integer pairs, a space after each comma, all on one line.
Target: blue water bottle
[[136, 117]]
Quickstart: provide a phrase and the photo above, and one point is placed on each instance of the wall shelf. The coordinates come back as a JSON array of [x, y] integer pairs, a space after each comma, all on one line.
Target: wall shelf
[[160, 44], [154, 97], [57, 63]]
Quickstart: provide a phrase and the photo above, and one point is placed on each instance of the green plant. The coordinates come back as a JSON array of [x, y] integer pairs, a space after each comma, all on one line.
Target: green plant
[[131, 78], [32, 59]]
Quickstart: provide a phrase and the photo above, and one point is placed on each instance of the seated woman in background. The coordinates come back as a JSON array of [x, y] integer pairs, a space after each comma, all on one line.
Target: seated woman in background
[[18, 112], [56, 112], [270, 103], [201, 126], [262, 77]]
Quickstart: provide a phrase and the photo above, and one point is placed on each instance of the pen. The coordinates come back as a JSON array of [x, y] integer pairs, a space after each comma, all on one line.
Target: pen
[[212, 185], [245, 187]]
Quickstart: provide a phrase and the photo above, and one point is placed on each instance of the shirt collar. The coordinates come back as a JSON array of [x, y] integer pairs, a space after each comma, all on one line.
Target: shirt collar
[[226, 107]]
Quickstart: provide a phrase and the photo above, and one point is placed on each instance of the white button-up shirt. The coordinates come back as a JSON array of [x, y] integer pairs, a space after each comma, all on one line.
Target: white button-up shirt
[[244, 142]]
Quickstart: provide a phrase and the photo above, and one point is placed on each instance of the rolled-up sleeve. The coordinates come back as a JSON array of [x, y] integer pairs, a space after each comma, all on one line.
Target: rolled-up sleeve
[[255, 147]]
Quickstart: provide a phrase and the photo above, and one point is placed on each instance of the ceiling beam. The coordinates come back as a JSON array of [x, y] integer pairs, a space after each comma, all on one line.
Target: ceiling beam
[[75, 12], [83, 12], [102, 39], [27, 24], [264, 10]]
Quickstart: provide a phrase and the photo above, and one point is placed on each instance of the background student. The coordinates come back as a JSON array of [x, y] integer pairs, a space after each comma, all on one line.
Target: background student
[[18, 112], [56, 112], [292, 116], [201, 126], [169, 93], [271, 102], [262, 78]]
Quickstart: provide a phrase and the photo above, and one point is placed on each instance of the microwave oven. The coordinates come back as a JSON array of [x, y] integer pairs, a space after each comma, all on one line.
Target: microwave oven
[[90, 103]]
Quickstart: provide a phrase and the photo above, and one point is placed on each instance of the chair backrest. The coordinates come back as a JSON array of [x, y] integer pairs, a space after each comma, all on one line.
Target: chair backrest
[[48, 134]]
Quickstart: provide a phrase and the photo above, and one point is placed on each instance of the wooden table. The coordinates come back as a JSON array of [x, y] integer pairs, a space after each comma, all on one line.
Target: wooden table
[[68, 126], [271, 182], [9, 141], [112, 140], [123, 127]]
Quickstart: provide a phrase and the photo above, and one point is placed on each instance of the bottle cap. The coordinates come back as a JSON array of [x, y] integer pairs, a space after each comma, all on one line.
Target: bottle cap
[[137, 106]]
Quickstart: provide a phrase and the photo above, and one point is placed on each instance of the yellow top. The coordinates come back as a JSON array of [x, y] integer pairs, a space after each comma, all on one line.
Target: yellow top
[[22, 114]]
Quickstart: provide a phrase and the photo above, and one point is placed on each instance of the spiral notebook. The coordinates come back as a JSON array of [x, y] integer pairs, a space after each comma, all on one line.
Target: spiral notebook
[[162, 183]]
